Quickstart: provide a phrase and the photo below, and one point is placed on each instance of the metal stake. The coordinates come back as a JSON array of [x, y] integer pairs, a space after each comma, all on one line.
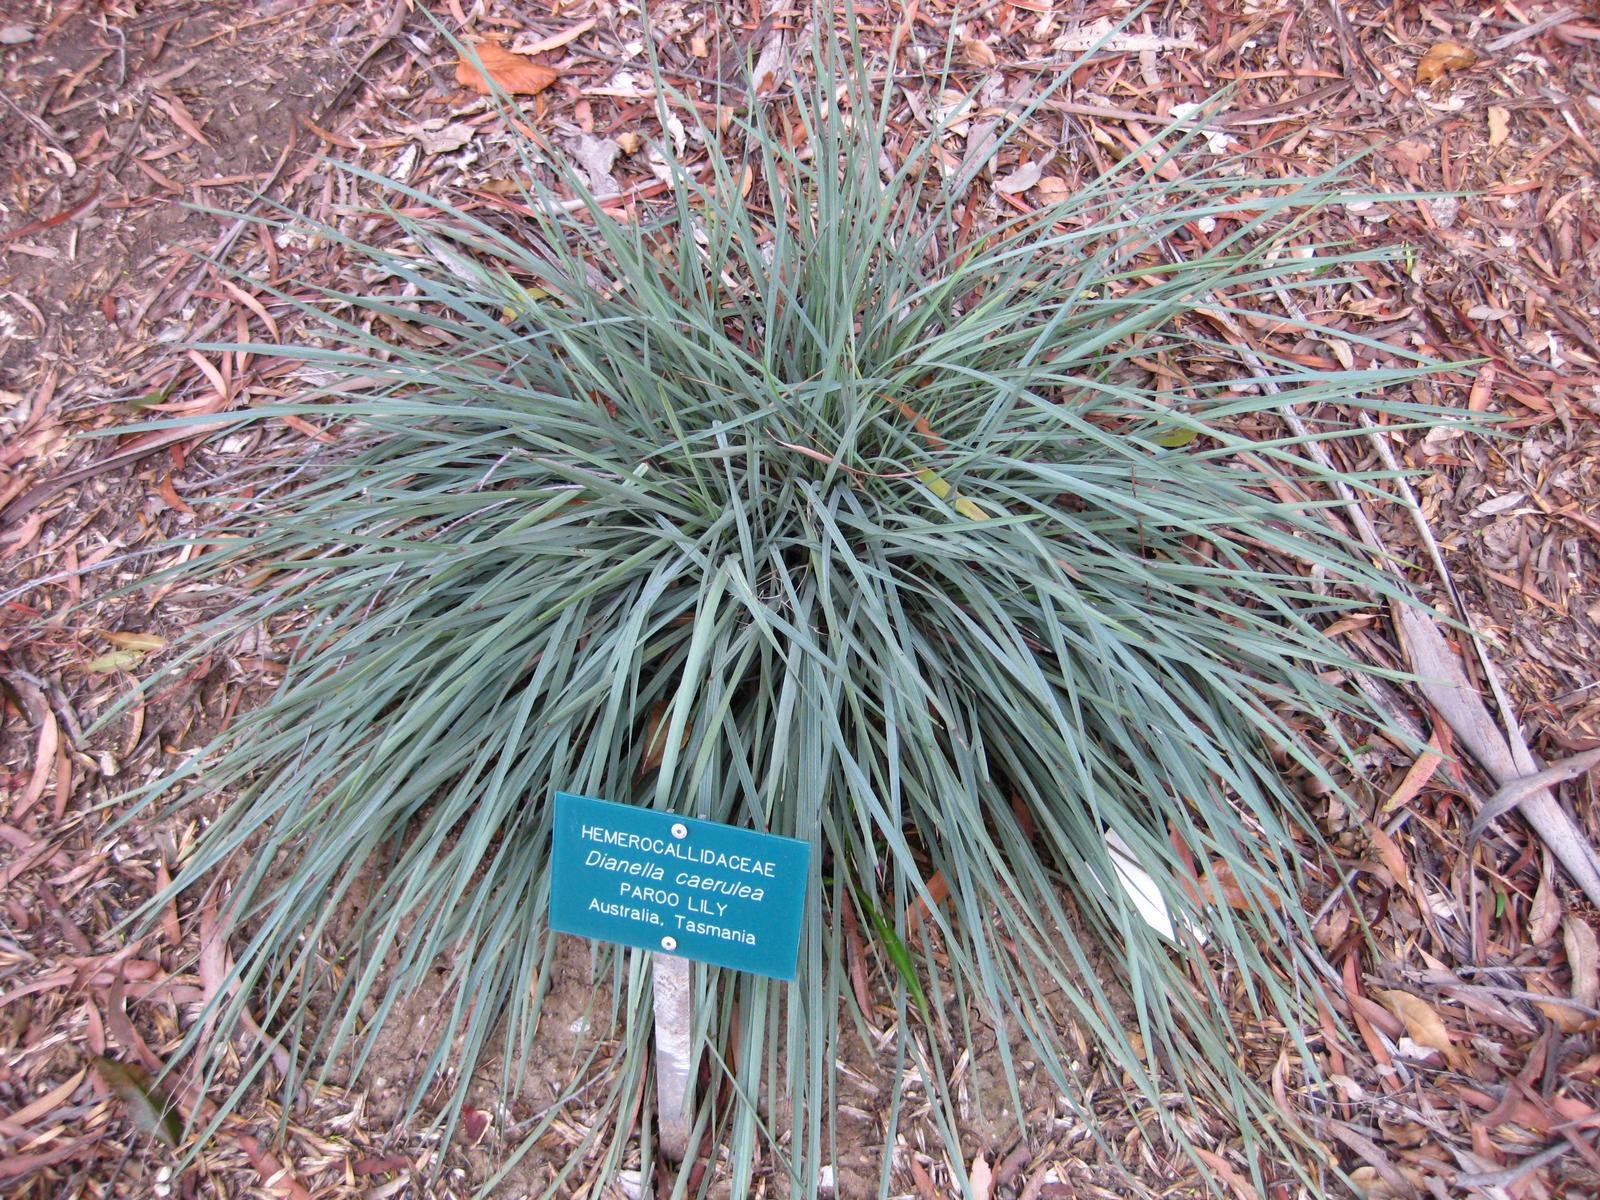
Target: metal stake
[[674, 1032]]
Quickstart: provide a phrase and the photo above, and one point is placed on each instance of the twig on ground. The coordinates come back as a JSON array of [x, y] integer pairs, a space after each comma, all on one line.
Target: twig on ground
[[1514, 1175], [1518, 790], [1518, 36]]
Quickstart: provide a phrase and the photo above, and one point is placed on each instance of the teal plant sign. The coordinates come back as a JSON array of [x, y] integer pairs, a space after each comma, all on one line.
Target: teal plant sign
[[678, 885]]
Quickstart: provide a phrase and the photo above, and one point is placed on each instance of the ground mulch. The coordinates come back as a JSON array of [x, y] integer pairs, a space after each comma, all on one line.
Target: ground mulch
[[134, 137]]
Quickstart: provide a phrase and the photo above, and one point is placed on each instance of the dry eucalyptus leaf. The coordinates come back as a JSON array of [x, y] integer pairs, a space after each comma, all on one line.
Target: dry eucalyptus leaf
[[772, 68], [1442, 58], [557, 40], [1389, 854], [1583, 957], [511, 72], [1424, 1025], [475, 1124], [1412, 152], [1104, 37], [1544, 918], [1442, 681], [1020, 180], [1053, 189], [437, 137]]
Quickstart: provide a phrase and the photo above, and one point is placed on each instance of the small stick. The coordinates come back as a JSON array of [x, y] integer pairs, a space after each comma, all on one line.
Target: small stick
[[1517, 1173], [1517, 36], [1518, 790]]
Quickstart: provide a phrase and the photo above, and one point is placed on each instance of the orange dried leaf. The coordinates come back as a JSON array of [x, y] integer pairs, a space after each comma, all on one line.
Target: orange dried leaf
[[918, 422], [1442, 58], [512, 73], [1415, 779], [1422, 1022], [917, 910]]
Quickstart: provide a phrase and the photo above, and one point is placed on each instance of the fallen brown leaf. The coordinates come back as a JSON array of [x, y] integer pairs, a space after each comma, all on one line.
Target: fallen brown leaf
[[1583, 957], [1442, 58], [142, 642], [1220, 885], [1422, 1022], [655, 742], [557, 40], [1416, 778], [512, 73], [1544, 917], [1053, 189], [48, 1102], [1020, 180], [275, 1177], [43, 759], [856, 953]]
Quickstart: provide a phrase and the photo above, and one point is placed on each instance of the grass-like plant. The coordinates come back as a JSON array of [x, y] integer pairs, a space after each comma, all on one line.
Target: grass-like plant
[[971, 553]]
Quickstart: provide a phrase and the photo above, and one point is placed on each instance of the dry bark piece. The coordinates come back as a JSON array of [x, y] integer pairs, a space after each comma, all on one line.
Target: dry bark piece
[[511, 73], [1499, 124]]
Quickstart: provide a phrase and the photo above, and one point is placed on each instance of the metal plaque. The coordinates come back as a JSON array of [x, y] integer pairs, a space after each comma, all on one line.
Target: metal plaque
[[678, 885]]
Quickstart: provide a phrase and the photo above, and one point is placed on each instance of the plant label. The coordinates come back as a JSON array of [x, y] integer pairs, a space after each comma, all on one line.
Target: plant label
[[678, 885]]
